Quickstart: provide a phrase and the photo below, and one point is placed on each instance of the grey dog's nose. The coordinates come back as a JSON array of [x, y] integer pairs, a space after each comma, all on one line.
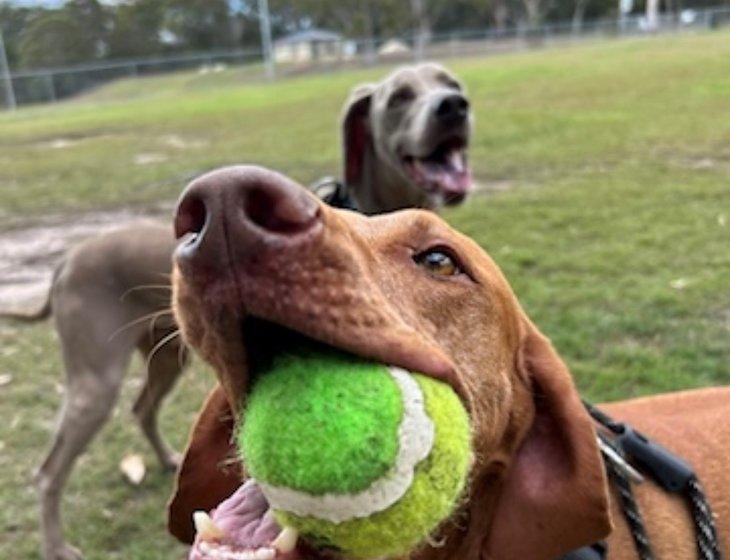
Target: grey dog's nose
[[237, 212], [452, 108]]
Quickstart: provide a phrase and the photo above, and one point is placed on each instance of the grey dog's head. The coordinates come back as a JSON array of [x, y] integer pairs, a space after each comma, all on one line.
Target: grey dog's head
[[416, 123]]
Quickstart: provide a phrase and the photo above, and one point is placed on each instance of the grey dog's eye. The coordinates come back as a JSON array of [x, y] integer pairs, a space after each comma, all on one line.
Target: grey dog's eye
[[438, 262], [400, 96]]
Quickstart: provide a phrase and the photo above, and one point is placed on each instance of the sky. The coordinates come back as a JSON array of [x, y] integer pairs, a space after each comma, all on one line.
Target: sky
[[50, 3], [53, 3], [34, 2]]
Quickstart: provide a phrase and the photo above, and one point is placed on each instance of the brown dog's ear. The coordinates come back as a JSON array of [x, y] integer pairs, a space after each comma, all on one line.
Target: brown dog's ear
[[210, 471], [356, 131], [555, 496]]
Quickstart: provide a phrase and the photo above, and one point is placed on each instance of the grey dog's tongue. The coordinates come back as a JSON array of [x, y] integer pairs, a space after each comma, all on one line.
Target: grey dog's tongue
[[451, 176], [245, 518]]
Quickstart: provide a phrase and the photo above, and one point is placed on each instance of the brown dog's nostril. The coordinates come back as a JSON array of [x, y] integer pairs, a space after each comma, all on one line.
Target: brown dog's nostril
[[280, 212], [190, 217], [239, 214]]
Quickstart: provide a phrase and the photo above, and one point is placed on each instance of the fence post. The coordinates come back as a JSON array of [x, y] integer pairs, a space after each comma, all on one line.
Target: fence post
[[51, 87], [6, 77], [371, 54], [265, 25]]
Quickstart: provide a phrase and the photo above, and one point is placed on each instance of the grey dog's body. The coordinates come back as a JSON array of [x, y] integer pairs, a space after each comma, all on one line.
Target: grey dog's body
[[404, 145]]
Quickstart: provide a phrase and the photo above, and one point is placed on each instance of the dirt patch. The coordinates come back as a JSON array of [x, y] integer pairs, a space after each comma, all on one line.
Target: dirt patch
[[180, 143], [29, 254], [496, 186], [148, 158], [702, 162]]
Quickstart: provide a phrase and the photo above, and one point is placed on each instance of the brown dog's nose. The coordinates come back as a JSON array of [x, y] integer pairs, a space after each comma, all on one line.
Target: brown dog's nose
[[452, 108], [242, 209]]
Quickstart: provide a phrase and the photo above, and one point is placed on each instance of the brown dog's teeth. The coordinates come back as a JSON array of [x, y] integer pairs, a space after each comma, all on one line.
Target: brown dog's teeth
[[205, 528], [286, 541]]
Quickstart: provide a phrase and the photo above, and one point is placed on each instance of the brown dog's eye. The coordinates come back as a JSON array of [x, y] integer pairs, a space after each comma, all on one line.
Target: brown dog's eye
[[438, 262]]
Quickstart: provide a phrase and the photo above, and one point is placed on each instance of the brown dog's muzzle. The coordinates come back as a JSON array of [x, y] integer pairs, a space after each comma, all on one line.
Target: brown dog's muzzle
[[259, 246], [238, 214]]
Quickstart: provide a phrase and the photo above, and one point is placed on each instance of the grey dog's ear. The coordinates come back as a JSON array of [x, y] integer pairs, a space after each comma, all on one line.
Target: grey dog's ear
[[356, 131]]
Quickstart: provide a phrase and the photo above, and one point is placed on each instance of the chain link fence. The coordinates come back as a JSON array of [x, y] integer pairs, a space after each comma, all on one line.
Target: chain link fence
[[52, 84]]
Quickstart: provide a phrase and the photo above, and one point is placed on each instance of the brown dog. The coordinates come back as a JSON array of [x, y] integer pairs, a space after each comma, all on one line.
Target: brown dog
[[404, 140], [261, 258]]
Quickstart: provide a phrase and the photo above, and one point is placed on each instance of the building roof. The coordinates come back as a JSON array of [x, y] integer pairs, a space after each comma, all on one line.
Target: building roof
[[309, 35]]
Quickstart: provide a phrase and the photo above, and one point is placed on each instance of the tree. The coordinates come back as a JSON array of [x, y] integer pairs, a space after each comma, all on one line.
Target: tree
[[458, 15], [55, 38], [578, 14], [353, 18], [199, 24], [422, 26], [136, 29], [93, 15], [13, 21], [533, 12], [500, 14]]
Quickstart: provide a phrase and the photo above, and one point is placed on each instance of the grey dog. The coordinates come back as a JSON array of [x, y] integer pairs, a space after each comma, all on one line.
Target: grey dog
[[405, 141]]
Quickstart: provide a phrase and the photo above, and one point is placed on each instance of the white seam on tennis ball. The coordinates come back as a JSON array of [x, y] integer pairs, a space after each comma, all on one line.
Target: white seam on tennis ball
[[416, 435]]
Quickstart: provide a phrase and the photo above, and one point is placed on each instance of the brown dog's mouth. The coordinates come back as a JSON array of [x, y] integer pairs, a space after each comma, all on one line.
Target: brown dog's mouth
[[444, 172], [243, 527]]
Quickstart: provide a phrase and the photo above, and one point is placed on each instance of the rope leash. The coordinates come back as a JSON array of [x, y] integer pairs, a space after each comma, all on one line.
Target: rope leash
[[630, 508], [666, 469], [707, 541]]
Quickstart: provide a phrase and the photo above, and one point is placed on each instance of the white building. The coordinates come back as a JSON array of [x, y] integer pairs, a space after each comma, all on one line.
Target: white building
[[311, 45]]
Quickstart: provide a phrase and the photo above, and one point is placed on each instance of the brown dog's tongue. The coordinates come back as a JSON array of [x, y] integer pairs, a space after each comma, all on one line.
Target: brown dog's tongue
[[245, 521]]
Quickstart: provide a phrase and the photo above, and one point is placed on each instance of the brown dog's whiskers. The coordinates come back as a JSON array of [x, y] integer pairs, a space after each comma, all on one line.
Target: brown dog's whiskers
[[153, 316], [156, 348], [145, 287]]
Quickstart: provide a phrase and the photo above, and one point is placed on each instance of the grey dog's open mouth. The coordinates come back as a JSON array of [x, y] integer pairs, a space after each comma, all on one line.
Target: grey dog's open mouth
[[444, 172]]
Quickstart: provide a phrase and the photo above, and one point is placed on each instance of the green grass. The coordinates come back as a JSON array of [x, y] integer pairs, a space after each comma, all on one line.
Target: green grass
[[611, 220]]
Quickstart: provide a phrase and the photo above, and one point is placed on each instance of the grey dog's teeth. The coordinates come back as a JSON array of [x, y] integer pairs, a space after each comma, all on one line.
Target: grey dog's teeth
[[456, 158]]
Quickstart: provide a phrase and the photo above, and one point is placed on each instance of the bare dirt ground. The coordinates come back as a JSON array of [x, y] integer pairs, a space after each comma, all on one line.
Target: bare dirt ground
[[29, 252]]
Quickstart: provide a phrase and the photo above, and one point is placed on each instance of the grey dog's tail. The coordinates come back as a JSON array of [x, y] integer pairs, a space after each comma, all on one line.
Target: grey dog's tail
[[31, 315]]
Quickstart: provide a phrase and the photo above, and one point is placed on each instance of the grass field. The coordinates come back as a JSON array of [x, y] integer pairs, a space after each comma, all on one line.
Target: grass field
[[606, 199]]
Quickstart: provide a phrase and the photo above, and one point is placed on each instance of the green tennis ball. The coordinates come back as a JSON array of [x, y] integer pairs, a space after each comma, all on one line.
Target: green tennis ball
[[356, 456]]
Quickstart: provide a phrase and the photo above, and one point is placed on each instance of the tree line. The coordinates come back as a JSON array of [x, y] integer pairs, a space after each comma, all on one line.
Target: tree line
[[88, 30]]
